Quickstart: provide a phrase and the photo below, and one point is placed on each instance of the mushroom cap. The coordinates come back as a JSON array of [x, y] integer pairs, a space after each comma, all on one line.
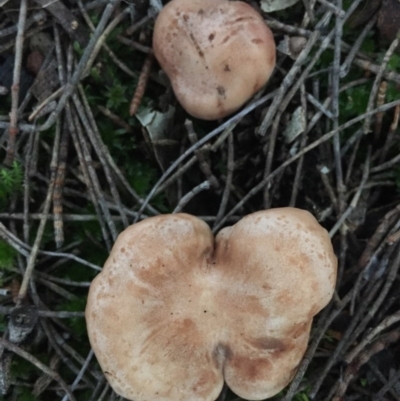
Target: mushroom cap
[[216, 53], [175, 313]]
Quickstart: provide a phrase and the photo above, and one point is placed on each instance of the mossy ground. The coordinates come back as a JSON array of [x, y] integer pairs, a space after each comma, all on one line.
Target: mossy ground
[[95, 165]]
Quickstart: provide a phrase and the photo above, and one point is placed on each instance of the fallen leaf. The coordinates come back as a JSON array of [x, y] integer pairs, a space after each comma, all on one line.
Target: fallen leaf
[[276, 5]]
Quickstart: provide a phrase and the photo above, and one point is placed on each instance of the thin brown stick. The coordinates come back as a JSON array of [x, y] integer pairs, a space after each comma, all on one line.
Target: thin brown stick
[[352, 369], [313, 145], [81, 67], [19, 42], [58, 189], [390, 139], [380, 100], [200, 155], [379, 75], [34, 361], [228, 182], [142, 83], [190, 195], [387, 322], [39, 235], [303, 141]]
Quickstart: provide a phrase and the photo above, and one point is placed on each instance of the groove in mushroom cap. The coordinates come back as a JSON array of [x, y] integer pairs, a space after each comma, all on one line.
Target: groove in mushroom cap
[[216, 53], [174, 312]]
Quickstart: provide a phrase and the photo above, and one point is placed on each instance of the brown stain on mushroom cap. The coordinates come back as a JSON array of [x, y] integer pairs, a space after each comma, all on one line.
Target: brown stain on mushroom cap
[[178, 304], [204, 45]]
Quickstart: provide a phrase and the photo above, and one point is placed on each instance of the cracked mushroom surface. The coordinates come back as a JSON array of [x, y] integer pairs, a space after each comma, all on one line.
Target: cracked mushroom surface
[[217, 54], [175, 313]]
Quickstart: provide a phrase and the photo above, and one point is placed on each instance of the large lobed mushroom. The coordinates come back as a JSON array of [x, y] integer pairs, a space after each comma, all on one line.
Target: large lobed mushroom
[[217, 54], [175, 312]]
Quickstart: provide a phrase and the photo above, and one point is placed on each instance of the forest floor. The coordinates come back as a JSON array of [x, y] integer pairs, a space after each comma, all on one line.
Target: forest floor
[[77, 168]]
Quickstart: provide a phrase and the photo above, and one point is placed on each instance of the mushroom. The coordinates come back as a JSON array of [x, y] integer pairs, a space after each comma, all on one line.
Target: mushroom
[[217, 54], [175, 313]]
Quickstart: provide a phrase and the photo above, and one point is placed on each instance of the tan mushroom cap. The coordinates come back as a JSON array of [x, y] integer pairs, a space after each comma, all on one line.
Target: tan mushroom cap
[[175, 313], [217, 54]]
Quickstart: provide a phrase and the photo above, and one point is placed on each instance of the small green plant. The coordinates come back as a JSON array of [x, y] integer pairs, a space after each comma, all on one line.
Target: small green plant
[[77, 324], [330, 336], [394, 62], [7, 256], [116, 95], [354, 101], [10, 180], [78, 49], [301, 397]]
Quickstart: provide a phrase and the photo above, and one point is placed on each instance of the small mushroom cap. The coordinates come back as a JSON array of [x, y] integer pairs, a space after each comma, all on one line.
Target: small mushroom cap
[[175, 313], [216, 53]]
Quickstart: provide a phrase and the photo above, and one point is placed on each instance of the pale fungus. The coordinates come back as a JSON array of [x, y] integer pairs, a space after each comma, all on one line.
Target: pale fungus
[[175, 312], [217, 54]]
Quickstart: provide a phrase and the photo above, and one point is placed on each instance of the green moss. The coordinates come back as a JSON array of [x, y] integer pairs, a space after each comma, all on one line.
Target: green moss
[[11, 180], [7, 256], [76, 324]]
